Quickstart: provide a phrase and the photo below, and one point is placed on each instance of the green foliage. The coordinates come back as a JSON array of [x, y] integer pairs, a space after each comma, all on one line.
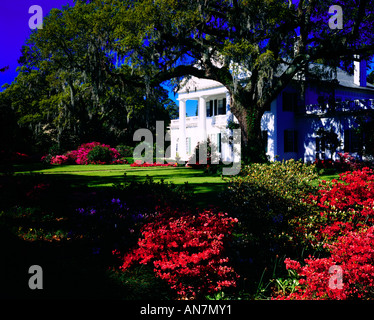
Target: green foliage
[[125, 151], [264, 198], [370, 78], [141, 283], [232, 125], [263, 192], [218, 296], [288, 285], [68, 98], [99, 154], [151, 193]]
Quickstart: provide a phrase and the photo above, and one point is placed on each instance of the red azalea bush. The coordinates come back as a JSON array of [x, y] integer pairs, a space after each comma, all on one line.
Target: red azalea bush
[[342, 206], [324, 164], [348, 162], [81, 155], [343, 226], [38, 191], [354, 254], [187, 251], [344, 163], [138, 163], [13, 157]]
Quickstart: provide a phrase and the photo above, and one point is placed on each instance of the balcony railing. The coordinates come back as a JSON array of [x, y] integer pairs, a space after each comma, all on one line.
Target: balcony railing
[[190, 122], [340, 107]]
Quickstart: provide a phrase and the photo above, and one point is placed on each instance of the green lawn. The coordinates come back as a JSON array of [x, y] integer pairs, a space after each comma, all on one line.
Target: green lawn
[[206, 187]]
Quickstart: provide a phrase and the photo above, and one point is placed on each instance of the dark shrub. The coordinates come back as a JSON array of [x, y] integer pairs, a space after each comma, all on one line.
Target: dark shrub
[[264, 198], [99, 154]]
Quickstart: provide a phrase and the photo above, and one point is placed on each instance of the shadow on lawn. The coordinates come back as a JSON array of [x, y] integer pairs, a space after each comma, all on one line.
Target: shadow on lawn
[[34, 230], [72, 268]]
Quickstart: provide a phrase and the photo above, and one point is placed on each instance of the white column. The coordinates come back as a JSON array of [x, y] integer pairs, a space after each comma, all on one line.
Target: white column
[[229, 117], [182, 130], [202, 119], [227, 106], [360, 72]]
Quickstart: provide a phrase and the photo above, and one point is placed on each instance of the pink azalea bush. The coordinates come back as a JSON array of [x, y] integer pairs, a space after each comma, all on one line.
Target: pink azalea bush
[[80, 156]]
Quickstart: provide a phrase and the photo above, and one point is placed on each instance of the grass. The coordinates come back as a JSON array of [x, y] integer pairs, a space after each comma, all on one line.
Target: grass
[[177, 175], [206, 187]]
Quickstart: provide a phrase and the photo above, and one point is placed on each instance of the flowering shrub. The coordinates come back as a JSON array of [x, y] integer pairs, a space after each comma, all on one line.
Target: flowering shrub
[[187, 251], [354, 254], [13, 157], [125, 151], [348, 162], [138, 163], [111, 221], [59, 159], [119, 161], [149, 193], [88, 153], [37, 191], [342, 206], [324, 164], [344, 163], [100, 154], [343, 227]]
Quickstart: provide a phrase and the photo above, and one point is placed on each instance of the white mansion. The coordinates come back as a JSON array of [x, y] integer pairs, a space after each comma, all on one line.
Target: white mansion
[[290, 124]]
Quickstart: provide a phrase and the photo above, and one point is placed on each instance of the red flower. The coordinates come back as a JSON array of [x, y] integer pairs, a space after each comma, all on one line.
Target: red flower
[[186, 250], [138, 163], [353, 253], [345, 228]]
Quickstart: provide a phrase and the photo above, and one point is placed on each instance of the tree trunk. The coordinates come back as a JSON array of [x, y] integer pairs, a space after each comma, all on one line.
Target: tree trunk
[[249, 115]]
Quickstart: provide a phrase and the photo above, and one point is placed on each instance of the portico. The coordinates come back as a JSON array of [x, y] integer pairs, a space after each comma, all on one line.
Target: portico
[[213, 114]]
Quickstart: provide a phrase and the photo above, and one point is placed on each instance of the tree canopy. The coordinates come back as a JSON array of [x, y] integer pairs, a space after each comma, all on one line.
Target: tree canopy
[[64, 93], [272, 40]]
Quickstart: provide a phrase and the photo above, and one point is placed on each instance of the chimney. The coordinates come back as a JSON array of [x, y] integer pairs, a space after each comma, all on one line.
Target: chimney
[[360, 72]]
